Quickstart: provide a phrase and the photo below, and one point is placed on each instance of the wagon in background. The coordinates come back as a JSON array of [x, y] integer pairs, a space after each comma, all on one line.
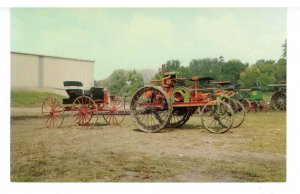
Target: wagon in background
[[84, 105]]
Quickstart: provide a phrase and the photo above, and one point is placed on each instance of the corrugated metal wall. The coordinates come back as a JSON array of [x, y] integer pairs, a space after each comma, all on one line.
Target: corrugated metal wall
[[24, 70], [57, 70], [49, 72]]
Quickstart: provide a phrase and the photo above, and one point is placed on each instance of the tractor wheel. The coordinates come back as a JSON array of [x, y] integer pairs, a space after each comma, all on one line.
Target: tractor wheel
[[263, 106], [150, 109], [239, 112], [254, 107], [278, 101], [52, 112], [246, 103], [116, 109], [84, 111], [180, 116], [217, 116]]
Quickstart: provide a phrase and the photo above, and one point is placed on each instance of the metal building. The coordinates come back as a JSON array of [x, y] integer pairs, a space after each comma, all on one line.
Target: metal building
[[31, 70]]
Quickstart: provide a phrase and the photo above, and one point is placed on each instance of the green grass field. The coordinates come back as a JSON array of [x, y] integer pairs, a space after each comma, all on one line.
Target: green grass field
[[29, 99], [253, 152]]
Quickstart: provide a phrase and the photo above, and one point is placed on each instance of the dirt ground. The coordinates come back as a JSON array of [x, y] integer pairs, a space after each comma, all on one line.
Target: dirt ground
[[256, 151]]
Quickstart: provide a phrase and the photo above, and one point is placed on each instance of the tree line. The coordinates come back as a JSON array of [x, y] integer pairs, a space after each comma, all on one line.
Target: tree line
[[263, 72]]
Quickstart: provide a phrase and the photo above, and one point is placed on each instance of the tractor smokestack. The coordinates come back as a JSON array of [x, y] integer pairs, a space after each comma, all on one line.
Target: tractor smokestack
[[163, 69]]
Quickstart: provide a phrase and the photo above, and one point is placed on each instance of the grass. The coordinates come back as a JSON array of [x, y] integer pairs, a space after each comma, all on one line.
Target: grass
[[267, 135], [264, 172], [267, 96], [110, 167], [122, 167], [121, 154], [29, 99]]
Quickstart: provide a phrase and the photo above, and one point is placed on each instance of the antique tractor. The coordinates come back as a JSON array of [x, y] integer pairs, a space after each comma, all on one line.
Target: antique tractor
[[256, 99], [173, 102], [85, 106], [278, 99], [252, 99], [240, 94]]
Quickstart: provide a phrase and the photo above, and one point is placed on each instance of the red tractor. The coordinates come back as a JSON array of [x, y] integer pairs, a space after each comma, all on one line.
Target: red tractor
[[171, 105]]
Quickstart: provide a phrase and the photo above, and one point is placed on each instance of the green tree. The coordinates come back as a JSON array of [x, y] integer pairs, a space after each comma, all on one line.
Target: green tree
[[171, 65], [206, 67], [134, 82], [263, 72], [264, 80], [280, 70], [231, 70], [117, 81], [249, 76], [123, 83]]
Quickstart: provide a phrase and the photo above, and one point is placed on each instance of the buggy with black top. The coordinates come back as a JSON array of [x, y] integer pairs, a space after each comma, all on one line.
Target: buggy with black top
[[85, 106]]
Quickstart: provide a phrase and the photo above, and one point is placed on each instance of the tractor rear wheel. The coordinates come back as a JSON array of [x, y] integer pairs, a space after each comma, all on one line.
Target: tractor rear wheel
[[150, 109], [246, 103], [278, 101], [180, 116]]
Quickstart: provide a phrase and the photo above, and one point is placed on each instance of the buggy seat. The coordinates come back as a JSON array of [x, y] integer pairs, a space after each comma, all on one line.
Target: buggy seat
[[74, 90]]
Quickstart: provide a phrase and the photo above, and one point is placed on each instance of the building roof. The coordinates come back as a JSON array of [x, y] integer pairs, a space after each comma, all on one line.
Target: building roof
[[51, 56]]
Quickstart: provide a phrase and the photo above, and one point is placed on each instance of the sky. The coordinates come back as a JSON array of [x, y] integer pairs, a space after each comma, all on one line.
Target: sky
[[145, 38]]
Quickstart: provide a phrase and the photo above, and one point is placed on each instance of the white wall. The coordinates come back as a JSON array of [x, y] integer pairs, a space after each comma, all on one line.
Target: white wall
[[24, 70], [49, 72]]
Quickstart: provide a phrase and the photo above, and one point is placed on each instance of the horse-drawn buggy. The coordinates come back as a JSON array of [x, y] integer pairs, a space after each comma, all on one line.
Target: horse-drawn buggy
[[173, 102], [84, 105]]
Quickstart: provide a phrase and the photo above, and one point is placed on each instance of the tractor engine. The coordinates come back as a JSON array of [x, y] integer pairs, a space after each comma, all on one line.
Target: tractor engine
[[180, 94]]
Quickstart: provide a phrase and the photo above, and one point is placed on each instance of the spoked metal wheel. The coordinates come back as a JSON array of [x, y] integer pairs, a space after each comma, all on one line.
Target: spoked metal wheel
[[254, 106], [180, 116], [52, 112], [116, 111], [239, 112], [84, 111], [246, 103], [263, 106], [278, 101], [150, 109], [217, 116]]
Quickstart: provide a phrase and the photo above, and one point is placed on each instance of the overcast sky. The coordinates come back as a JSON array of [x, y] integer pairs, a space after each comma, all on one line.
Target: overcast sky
[[143, 38]]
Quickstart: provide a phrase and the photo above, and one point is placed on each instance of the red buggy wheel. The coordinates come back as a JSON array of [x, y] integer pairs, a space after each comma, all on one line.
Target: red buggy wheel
[[52, 112], [116, 109], [84, 111]]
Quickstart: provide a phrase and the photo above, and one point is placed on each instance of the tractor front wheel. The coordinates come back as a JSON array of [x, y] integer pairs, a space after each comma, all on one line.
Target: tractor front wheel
[[217, 116]]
